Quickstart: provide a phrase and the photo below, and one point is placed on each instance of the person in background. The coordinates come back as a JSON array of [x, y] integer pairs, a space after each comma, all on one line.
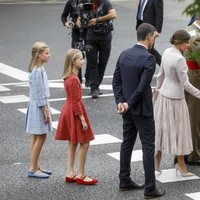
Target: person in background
[[193, 61], [73, 124], [69, 19], [99, 37], [151, 11], [172, 123], [38, 117], [133, 96]]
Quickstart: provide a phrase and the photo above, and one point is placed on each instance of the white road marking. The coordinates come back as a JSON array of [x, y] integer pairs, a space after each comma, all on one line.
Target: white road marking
[[53, 111], [14, 99], [169, 175], [13, 72], [3, 89], [194, 196], [136, 155]]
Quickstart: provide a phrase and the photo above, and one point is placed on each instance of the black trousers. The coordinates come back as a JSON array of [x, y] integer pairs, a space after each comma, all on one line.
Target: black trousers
[[97, 60], [76, 38], [132, 124]]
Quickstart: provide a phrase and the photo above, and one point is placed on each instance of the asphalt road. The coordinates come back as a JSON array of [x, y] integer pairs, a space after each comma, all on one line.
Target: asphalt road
[[21, 25]]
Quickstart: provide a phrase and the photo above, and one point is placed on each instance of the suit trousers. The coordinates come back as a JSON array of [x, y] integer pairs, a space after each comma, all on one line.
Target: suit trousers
[[97, 60], [132, 124]]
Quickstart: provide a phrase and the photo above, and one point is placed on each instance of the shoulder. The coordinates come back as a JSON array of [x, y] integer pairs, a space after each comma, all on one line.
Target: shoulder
[[73, 79]]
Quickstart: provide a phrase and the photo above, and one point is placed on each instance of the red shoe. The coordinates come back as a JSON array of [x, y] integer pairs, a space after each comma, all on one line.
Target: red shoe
[[82, 182], [70, 180]]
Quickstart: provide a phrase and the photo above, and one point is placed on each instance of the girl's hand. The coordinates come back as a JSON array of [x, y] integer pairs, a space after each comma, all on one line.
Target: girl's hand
[[84, 125], [46, 114]]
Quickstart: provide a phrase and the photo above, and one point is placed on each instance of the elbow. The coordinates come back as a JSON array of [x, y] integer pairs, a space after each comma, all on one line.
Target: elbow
[[113, 14]]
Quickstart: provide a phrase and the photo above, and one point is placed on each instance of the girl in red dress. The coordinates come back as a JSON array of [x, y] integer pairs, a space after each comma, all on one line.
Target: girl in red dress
[[73, 123]]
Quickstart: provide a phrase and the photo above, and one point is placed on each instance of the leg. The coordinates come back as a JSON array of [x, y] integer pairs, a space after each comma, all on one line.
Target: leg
[[158, 160], [81, 161], [129, 137], [181, 166], [92, 65], [146, 128], [36, 145], [104, 54], [71, 157]]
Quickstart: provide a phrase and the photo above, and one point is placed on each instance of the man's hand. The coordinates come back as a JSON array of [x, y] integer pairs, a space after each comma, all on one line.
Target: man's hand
[[69, 24], [122, 108]]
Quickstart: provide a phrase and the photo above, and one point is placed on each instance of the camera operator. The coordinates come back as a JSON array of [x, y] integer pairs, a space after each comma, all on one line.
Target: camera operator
[[69, 20], [99, 37]]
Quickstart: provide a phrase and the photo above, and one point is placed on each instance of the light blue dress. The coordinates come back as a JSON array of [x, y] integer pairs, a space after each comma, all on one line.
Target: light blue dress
[[39, 94]]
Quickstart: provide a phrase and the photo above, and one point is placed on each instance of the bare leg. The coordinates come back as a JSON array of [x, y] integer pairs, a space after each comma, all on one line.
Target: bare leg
[[158, 160], [71, 157], [181, 164], [82, 159], [36, 146]]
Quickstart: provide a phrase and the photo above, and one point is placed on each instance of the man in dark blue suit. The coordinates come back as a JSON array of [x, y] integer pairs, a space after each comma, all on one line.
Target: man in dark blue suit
[[133, 95]]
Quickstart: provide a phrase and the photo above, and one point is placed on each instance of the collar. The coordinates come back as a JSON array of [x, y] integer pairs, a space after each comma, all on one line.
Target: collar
[[138, 43]]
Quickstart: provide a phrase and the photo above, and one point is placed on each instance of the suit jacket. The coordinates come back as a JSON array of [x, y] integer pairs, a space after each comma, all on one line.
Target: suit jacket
[[172, 78], [153, 14], [132, 78]]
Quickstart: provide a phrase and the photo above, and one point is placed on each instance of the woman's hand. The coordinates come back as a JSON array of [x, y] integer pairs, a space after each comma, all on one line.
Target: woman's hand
[[155, 94]]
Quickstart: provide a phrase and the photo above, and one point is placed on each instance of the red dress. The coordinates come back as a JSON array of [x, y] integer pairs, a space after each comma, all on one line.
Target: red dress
[[69, 125]]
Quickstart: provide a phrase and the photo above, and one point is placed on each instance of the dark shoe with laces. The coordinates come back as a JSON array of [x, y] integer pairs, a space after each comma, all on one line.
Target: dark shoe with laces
[[130, 186], [154, 194]]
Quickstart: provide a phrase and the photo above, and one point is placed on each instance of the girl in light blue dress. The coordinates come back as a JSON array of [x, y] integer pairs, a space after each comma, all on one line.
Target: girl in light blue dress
[[38, 117]]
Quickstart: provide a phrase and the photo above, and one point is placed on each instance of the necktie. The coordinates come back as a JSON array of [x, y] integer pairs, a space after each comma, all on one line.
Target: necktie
[[142, 2]]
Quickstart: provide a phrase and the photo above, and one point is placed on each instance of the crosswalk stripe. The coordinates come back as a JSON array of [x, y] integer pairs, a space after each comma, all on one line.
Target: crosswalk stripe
[[169, 175], [14, 99], [53, 111], [194, 196], [136, 155], [3, 89], [13, 72]]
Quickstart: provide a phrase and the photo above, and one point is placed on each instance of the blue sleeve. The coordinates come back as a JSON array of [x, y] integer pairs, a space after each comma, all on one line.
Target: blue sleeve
[[38, 87]]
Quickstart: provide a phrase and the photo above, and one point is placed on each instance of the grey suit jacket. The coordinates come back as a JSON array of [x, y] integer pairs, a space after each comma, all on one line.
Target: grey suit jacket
[[172, 78]]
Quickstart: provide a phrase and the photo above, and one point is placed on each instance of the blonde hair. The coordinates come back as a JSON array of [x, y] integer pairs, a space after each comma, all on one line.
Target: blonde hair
[[71, 56], [38, 47]]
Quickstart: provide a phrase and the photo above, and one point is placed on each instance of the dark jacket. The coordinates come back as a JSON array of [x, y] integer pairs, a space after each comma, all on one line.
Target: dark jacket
[[132, 78], [153, 14]]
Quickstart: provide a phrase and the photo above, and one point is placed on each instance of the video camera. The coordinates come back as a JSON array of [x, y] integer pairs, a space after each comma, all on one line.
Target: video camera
[[85, 12]]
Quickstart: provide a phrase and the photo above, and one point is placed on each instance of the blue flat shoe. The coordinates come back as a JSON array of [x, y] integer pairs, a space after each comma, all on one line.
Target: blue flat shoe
[[37, 174], [46, 171]]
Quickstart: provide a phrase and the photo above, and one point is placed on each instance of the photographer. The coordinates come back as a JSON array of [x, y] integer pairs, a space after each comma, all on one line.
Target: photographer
[[99, 37], [69, 20]]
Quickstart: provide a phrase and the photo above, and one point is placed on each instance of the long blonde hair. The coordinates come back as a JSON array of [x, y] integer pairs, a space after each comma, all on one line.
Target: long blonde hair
[[70, 57], [38, 47]]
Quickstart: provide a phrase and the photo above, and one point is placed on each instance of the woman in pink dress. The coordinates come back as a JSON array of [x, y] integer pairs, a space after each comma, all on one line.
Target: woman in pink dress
[[73, 123]]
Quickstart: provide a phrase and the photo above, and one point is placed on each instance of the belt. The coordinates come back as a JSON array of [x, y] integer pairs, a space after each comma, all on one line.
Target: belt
[[192, 65]]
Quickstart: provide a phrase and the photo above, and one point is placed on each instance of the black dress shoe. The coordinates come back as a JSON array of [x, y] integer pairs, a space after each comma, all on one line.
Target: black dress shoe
[[95, 94], [195, 162], [154, 194], [130, 186]]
